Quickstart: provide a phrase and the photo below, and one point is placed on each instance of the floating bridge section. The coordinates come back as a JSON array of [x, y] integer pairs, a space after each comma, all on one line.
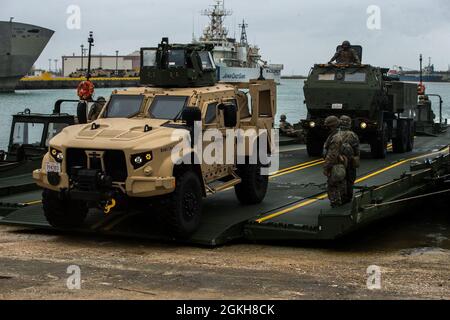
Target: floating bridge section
[[296, 207]]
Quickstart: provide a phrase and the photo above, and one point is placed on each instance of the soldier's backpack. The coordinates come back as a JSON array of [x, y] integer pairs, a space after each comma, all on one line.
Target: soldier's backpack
[[348, 152], [338, 173]]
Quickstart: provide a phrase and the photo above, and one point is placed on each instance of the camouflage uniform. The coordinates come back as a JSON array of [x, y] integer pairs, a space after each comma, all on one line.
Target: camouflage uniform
[[346, 55], [96, 109], [333, 158], [353, 155]]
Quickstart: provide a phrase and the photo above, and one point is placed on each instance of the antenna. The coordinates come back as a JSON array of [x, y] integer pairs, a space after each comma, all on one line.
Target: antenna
[[91, 44], [193, 27], [244, 39], [421, 71]]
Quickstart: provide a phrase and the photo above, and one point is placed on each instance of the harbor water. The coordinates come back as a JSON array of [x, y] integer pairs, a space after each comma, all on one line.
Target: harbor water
[[290, 102]]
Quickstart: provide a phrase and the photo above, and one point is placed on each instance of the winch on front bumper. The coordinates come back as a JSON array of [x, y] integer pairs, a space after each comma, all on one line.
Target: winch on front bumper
[[91, 185]]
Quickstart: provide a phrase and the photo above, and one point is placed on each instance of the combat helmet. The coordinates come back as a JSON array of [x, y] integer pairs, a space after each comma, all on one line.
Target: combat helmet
[[346, 122], [332, 121], [346, 44]]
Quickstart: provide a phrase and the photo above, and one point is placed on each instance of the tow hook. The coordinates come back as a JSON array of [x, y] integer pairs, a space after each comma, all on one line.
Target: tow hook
[[110, 204]]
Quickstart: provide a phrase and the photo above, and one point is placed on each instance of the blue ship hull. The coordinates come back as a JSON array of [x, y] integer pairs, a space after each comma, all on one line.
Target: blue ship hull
[[428, 78]]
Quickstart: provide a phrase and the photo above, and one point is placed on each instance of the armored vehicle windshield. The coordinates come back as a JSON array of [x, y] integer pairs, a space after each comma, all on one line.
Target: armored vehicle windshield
[[124, 106]]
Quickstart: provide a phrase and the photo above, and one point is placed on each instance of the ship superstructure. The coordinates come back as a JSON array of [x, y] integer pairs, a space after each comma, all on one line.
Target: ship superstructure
[[20, 46], [237, 61]]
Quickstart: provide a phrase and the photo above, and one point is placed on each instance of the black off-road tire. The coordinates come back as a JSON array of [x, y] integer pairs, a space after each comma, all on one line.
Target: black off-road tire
[[400, 142], [63, 213], [253, 188], [379, 143], [185, 206], [314, 146]]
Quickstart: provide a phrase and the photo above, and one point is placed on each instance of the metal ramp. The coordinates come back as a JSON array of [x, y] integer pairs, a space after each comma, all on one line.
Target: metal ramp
[[224, 219], [16, 184], [381, 195]]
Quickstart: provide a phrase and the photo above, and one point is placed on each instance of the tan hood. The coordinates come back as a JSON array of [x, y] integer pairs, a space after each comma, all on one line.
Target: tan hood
[[117, 134]]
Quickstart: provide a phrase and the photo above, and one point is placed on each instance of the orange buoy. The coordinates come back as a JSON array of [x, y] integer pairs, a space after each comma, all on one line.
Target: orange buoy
[[85, 90], [421, 89]]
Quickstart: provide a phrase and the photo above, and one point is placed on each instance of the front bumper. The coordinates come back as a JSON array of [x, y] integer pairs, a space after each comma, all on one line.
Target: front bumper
[[136, 186], [319, 129]]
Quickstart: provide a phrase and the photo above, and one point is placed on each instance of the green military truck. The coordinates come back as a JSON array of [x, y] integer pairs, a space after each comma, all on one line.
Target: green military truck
[[382, 109]]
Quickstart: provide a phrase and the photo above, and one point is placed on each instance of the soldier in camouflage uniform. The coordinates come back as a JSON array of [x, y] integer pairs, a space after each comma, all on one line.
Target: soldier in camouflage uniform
[[335, 164], [96, 109], [287, 129], [346, 55], [352, 152]]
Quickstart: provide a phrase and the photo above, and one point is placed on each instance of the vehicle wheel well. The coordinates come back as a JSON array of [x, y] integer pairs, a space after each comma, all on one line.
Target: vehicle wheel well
[[179, 170]]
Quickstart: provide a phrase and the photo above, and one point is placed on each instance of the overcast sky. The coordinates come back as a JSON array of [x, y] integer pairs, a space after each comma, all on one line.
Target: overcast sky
[[297, 33]]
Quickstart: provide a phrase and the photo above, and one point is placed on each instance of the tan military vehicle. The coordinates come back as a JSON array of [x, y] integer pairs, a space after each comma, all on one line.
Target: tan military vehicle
[[131, 154]]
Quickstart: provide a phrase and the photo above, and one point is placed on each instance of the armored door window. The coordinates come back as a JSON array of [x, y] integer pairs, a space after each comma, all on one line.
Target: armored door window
[[28, 133], [355, 77], [207, 60], [211, 113], [327, 77], [149, 58], [176, 58]]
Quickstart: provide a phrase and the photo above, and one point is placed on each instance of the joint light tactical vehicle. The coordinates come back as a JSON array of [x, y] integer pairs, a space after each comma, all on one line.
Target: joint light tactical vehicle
[[125, 157], [382, 109]]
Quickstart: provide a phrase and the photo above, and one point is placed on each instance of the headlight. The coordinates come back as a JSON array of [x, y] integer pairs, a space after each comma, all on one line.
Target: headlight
[[139, 160], [363, 125], [57, 155], [312, 124]]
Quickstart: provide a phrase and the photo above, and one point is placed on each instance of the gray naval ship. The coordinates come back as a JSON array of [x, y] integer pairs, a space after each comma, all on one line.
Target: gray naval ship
[[236, 60], [20, 46]]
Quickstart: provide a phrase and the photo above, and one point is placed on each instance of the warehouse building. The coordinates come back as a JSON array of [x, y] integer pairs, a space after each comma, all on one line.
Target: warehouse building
[[74, 63]]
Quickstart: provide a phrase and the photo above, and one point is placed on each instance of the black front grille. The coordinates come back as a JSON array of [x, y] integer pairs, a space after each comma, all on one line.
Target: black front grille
[[116, 165], [115, 162]]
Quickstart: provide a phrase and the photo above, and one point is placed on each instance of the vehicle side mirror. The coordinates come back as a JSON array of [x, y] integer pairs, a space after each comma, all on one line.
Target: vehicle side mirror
[[191, 115], [229, 114], [82, 112]]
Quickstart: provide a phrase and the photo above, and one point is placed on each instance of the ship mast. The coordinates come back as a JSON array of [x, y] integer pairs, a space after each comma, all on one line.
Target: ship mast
[[244, 39], [215, 32]]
